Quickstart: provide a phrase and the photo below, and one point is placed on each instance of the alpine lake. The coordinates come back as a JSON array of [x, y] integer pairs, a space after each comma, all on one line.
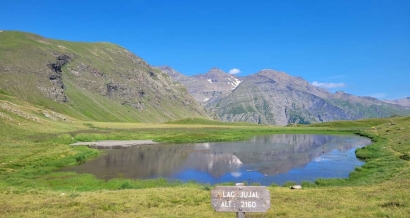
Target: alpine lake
[[263, 160]]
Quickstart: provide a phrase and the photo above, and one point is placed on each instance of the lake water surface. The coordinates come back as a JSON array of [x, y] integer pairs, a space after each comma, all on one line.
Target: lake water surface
[[264, 159]]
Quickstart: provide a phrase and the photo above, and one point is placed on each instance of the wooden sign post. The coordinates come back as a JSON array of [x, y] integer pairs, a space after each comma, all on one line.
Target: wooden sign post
[[240, 199]]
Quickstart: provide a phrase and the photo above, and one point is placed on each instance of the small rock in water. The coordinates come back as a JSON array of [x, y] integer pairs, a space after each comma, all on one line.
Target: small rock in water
[[296, 187]]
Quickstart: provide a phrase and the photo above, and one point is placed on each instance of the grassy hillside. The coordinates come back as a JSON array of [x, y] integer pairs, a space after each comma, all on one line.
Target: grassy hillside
[[90, 81], [34, 143]]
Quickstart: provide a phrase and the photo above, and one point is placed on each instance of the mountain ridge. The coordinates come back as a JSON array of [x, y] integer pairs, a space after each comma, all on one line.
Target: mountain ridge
[[105, 82], [275, 97]]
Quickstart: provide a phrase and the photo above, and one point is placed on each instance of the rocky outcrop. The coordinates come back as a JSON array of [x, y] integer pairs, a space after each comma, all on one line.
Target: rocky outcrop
[[57, 92], [13, 108], [62, 59], [56, 116]]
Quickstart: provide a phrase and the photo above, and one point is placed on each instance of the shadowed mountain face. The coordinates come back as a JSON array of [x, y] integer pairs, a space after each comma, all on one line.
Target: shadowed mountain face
[[272, 97], [90, 81]]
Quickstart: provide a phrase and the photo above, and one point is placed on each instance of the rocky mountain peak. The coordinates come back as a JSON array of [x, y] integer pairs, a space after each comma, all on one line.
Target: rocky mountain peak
[[284, 81], [216, 73], [280, 77], [206, 87], [215, 70], [220, 78], [340, 93]]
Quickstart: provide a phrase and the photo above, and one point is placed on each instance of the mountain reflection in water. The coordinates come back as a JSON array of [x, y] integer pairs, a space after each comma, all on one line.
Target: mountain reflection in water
[[263, 159]]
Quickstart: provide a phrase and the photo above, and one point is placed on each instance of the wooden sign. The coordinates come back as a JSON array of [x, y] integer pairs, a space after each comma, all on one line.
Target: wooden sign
[[240, 199]]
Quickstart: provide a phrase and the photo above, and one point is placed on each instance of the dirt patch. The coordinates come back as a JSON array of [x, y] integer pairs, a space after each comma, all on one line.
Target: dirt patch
[[110, 144]]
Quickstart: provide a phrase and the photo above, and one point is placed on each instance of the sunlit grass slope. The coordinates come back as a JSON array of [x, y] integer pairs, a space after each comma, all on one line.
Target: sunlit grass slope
[[97, 82]]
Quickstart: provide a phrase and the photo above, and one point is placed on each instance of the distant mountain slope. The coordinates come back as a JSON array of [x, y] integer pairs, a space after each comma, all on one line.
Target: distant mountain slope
[[273, 97], [403, 101], [91, 81]]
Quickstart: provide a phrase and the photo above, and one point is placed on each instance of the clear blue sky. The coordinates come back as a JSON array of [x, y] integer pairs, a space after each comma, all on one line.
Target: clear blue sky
[[361, 46]]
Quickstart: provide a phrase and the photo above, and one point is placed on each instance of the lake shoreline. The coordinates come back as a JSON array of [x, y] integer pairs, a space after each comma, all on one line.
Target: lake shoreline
[[221, 162]]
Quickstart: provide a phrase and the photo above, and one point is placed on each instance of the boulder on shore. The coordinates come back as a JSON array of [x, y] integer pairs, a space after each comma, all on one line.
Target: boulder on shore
[[296, 187]]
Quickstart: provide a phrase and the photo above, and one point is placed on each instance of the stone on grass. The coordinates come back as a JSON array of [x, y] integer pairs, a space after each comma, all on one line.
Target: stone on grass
[[296, 187]]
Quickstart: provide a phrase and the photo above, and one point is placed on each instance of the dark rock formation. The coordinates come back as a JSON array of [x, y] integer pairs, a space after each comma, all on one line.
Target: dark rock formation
[[57, 92], [62, 59]]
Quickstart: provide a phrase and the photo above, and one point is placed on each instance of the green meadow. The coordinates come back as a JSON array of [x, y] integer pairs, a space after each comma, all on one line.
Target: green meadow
[[34, 145]]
